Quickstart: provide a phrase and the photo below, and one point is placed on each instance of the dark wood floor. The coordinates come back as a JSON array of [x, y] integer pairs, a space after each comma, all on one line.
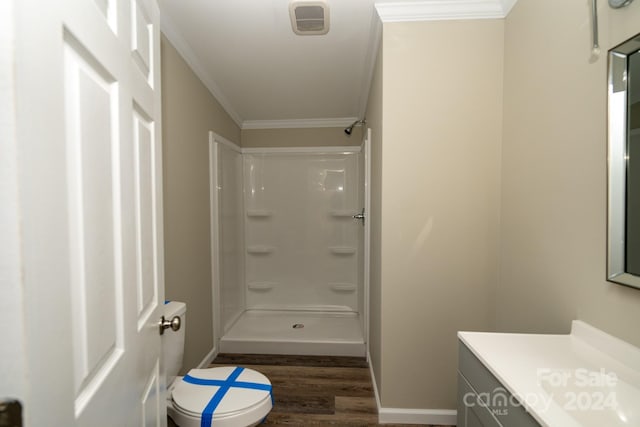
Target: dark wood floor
[[314, 390]]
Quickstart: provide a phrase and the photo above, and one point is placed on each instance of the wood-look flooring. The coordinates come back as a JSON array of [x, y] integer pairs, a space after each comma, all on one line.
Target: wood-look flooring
[[314, 390]]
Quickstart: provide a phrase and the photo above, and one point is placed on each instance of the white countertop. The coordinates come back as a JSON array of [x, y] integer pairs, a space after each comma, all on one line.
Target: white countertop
[[586, 378]]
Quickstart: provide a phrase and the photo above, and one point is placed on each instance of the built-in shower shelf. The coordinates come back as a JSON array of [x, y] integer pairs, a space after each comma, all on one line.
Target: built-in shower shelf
[[259, 213], [261, 286], [342, 250], [342, 213], [260, 249], [343, 287]]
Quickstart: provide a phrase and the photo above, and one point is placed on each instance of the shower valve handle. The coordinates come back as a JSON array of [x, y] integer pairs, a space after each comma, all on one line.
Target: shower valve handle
[[359, 216]]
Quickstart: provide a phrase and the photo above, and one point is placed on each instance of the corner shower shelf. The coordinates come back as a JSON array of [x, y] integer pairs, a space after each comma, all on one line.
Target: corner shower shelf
[[259, 213], [343, 287], [261, 286], [342, 250], [260, 249], [343, 213]]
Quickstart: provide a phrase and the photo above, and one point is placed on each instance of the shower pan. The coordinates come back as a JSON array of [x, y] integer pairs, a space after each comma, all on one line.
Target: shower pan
[[289, 249]]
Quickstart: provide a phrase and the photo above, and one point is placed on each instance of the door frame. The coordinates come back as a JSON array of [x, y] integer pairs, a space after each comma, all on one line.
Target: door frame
[[12, 350]]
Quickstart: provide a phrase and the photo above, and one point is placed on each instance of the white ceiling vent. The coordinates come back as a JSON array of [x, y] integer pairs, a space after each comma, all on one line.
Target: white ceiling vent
[[309, 17]]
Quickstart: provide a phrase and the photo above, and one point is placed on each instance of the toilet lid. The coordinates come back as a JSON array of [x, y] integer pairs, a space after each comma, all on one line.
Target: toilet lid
[[220, 392]]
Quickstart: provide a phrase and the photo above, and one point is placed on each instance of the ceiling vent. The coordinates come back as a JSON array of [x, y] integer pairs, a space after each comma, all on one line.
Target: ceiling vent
[[309, 17]]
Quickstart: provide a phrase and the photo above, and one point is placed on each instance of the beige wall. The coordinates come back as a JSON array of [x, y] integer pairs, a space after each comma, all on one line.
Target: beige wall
[[374, 122], [189, 113], [441, 131], [554, 212], [303, 137]]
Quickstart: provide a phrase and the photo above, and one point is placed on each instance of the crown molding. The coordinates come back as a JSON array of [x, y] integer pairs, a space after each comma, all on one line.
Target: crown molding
[[298, 123], [507, 5], [176, 39], [443, 10]]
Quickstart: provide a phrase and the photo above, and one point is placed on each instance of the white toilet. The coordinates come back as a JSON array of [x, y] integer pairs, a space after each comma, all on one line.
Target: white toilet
[[227, 396]]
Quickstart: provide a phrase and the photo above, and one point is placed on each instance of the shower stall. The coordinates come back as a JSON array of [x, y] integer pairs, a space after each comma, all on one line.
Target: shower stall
[[289, 249]]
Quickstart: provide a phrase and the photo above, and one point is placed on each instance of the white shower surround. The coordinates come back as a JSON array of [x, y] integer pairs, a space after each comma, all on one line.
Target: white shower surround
[[301, 255], [229, 232], [271, 332], [301, 240]]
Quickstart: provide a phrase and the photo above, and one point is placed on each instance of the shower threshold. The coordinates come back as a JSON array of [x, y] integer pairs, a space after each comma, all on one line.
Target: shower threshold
[[295, 332]]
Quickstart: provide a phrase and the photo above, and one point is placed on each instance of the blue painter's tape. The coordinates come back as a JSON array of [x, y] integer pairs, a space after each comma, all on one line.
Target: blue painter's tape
[[207, 414], [222, 383], [224, 386]]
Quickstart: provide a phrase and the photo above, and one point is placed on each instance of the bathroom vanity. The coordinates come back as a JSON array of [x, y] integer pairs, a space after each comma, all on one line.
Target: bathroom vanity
[[482, 399], [586, 378]]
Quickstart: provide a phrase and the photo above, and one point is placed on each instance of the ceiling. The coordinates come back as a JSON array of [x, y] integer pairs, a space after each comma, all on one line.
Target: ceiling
[[265, 75]]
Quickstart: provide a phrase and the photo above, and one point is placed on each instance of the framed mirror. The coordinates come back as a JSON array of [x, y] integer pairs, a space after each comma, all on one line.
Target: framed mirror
[[617, 4], [623, 264]]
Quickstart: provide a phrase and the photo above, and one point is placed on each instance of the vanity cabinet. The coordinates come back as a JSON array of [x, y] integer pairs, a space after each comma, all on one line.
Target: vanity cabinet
[[482, 400]]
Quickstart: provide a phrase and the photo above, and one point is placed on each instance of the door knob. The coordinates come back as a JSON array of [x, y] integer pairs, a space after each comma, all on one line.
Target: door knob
[[10, 413], [174, 324]]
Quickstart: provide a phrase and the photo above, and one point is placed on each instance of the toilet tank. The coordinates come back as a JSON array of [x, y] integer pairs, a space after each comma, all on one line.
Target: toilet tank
[[173, 341]]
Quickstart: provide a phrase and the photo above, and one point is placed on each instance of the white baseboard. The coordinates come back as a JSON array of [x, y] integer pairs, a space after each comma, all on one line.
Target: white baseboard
[[410, 416], [375, 385], [208, 358], [417, 416]]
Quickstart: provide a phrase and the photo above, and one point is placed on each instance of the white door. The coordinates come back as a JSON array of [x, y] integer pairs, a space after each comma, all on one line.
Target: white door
[[89, 172], [12, 366]]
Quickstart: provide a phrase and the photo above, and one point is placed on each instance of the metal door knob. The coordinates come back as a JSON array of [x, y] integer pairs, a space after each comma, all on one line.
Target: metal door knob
[[174, 324]]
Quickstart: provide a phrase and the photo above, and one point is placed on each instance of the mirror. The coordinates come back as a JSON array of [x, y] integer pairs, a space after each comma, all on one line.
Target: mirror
[[623, 265], [616, 4]]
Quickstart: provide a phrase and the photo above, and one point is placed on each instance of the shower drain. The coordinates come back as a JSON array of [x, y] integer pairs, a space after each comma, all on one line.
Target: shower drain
[[298, 325]]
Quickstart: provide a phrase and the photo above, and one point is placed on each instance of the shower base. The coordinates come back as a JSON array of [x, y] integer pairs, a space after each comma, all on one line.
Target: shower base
[[295, 332]]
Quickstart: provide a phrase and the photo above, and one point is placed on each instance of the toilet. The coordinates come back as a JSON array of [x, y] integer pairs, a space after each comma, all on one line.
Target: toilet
[[229, 396]]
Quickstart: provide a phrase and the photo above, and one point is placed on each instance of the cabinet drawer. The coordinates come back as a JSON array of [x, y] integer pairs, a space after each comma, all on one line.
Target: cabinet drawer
[[498, 400], [471, 413]]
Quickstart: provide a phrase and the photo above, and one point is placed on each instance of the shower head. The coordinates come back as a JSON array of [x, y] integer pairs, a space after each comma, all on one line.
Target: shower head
[[356, 123]]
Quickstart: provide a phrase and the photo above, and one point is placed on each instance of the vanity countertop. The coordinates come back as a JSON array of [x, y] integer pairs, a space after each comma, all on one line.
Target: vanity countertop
[[585, 378]]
